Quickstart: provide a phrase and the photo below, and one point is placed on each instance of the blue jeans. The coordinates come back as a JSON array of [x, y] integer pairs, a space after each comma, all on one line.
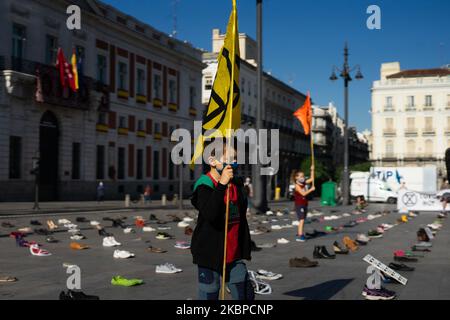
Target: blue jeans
[[236, 279]]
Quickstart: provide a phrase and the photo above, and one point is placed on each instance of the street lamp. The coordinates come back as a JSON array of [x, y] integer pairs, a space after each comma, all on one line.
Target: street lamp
[[345, 74]]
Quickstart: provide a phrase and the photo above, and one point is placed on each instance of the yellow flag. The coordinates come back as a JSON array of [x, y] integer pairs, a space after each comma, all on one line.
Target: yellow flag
[[75, 70], [224, 107]]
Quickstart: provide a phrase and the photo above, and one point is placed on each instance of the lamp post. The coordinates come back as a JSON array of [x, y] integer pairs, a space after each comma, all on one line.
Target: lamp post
[[345, 74], [259, 181]]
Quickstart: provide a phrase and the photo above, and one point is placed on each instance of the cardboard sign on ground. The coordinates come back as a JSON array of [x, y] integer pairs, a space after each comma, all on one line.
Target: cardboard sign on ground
[[384, 268]]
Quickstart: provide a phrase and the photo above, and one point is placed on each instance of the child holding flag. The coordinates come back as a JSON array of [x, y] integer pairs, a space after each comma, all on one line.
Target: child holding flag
[[301, 201], [209, 198]]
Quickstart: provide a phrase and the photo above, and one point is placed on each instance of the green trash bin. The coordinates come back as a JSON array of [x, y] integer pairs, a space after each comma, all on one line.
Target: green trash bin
[[328, 196]]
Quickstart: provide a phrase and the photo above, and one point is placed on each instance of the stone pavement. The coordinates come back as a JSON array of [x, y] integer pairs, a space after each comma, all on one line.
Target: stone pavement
[[342, 278]]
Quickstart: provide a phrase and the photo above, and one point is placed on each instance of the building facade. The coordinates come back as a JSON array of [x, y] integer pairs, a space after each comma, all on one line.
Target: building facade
[[411, 117], [137, 85], [280, 102], [328, 133]]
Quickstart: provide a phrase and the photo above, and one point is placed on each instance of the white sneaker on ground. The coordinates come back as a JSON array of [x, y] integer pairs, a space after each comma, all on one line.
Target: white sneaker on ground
[[94, 223], [110, 242], [64, 221], [183, 224], [128, 230], [282, 241], [188, 219], [167, 268], [77, 237], [148, 229], [268, 275], [122, 254], [276, 227]]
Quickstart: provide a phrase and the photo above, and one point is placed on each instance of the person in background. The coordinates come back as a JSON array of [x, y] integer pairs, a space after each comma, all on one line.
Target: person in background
[[147, 194], [100, 192], [301, 201], [248, 190]]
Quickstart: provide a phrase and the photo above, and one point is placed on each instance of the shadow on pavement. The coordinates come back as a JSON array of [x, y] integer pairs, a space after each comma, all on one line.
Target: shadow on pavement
[[322, 291]]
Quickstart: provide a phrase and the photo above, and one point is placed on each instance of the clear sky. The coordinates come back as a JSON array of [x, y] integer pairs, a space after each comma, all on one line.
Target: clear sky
[[304, 38]]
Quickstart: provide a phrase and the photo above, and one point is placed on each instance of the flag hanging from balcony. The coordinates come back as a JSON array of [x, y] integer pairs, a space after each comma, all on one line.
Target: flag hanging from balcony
[[65, 71], [75, 70], [304, 115], [224, 107]]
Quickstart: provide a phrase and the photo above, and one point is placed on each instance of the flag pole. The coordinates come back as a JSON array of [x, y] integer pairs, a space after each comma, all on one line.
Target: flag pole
[[227, 208], [312, 151]]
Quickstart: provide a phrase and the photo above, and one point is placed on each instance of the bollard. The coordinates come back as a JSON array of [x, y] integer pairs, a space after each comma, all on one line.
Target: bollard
[[277, 193], [127, 201], [175, 199], [164, 200]]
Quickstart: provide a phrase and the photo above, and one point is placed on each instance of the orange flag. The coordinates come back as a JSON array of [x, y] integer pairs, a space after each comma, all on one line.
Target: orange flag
[[304, 115]]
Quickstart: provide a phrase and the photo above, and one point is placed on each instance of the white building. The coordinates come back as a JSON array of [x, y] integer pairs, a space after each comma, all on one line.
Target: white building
[[411, 116], [280, 102], [137, 86]]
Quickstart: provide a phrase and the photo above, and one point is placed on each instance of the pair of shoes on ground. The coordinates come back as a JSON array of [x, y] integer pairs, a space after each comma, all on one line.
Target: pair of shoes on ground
[[320, 252], [110, 242]]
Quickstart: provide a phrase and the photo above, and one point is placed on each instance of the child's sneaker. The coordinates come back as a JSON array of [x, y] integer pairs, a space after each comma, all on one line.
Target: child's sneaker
[[300, 238]]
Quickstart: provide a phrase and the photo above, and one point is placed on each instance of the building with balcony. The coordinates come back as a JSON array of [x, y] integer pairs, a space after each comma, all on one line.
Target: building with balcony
[[328, 134], [136, 86], [411, 117], [280, 102]]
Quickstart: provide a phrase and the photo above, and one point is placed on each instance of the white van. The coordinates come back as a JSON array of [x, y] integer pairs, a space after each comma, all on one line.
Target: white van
[[373, 190]]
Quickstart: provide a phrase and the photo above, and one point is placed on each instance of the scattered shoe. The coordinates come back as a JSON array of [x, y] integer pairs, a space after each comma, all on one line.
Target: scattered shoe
[[254, 247], [42, 232], [374, 234], [122, 254], [320, 252], [77, 237], [51, 225], [405, 259], [268, 275], [362, 239], [120, 281], [350, 224], [338, 249], [76, 295], [128, 230], [51, 239], [81, 219], [167, 268], [94, 223], [302, 263], [282, 241], [36, 251], [188, 219], [400, 267], [381, 294], [182, 245], [267, 245], [35, 223], [78, 246], [156, 250], [7, 279], [163, 236], [63, 221], [7, 225], [102, 232], [350, 244], [110, 242], [148, 229], [183, 224]]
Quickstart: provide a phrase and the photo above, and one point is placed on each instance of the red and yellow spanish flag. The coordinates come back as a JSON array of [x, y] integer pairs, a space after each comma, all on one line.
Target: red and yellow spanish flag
[[224, 107], [304, 115], [75, 70]]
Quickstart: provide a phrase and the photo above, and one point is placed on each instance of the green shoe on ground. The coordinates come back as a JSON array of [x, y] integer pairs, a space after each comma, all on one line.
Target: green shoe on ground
[[120, 281]]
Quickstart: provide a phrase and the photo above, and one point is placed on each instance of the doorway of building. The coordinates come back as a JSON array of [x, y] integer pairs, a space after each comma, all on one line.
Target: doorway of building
[[48, 151]]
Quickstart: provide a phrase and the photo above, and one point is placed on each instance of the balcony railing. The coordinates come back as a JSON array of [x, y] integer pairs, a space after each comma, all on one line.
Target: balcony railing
[[48, 86], [428, 132], [410, 108], [389, 132], [420, 156], [411, 132], [388, 108], [428, 108]]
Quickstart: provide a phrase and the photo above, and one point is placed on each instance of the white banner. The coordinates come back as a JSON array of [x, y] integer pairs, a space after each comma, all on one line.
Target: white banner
[[417, 201]]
